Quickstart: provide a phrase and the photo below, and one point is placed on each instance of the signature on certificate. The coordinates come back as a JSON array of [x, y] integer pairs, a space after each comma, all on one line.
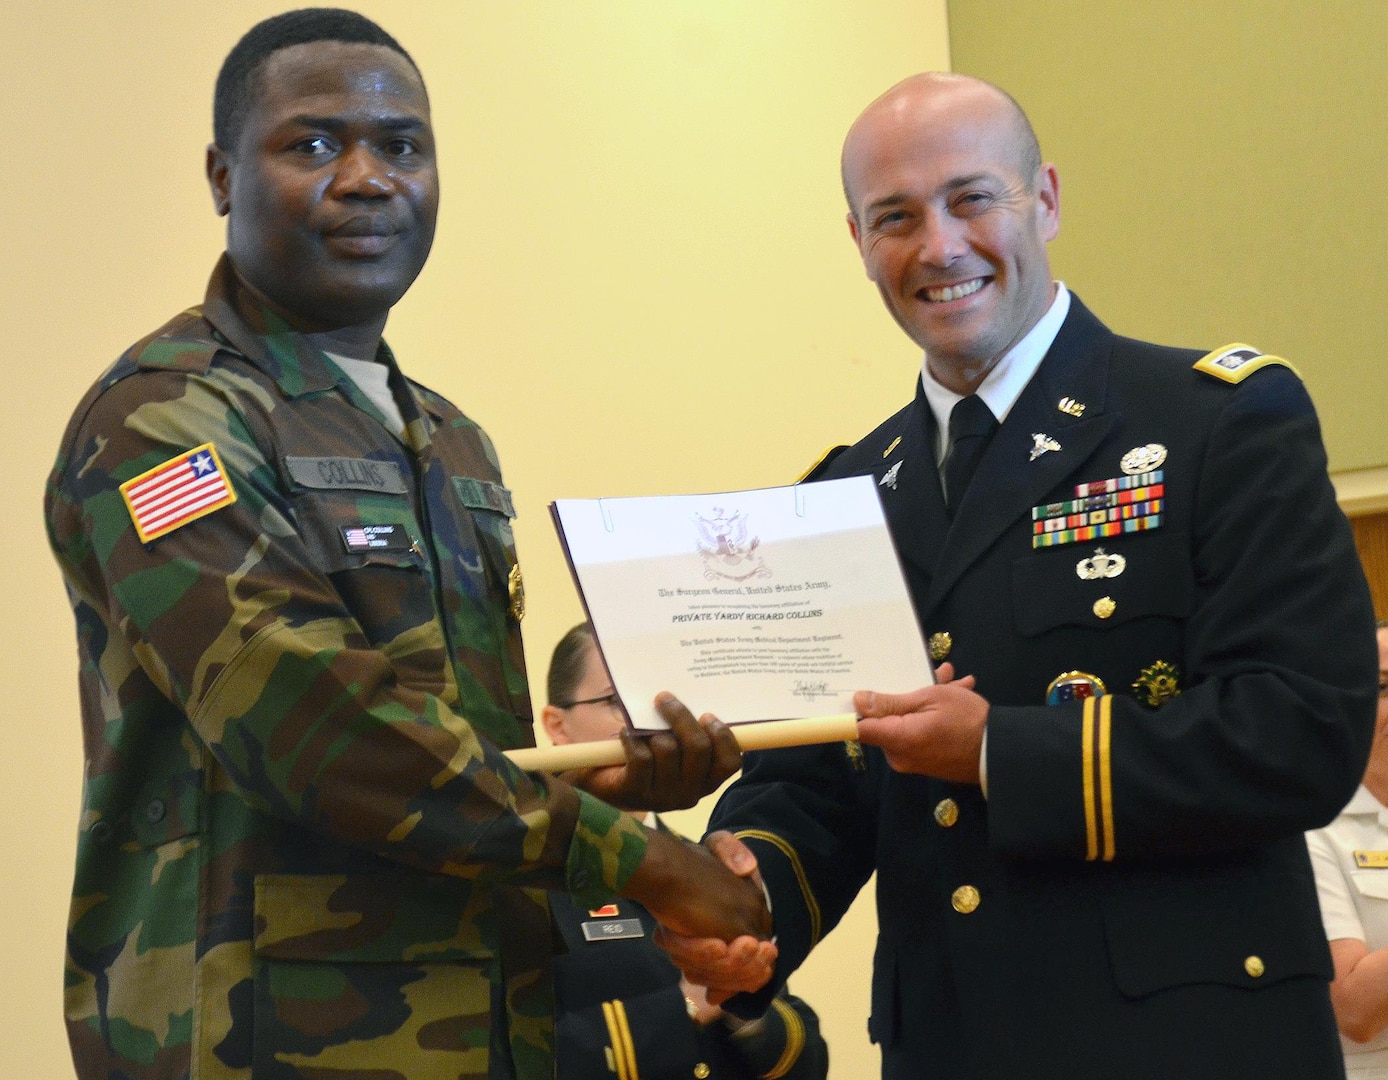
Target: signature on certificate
[[811, 690]]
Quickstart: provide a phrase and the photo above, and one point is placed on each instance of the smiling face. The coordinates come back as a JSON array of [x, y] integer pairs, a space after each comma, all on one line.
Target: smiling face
[[331, 192], [952, 213]]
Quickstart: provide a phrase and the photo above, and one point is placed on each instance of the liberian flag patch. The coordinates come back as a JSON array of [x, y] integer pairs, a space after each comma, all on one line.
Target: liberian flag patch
[[181, 490]]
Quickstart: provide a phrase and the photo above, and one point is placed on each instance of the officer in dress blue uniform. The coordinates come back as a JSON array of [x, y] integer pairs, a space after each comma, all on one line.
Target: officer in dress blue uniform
[[1088, 846]]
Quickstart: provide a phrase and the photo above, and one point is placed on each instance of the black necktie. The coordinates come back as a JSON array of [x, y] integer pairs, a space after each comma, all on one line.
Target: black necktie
[[971, 426]]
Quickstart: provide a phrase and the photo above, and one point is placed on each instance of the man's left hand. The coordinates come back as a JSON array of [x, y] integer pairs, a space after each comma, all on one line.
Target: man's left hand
[[666, 770], [935, 731]]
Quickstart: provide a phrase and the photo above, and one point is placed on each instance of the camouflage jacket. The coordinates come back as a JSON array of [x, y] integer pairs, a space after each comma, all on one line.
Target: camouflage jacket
[[301, 852]]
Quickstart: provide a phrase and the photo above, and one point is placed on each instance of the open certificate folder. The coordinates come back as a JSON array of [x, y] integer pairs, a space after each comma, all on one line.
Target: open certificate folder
[[758, 605]]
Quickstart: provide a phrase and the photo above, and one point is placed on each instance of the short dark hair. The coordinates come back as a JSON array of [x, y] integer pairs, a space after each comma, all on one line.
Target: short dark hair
[[566, 666], [232, 98]]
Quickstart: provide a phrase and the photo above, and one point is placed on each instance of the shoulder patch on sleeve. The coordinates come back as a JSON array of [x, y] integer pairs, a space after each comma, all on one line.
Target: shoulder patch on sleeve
[[182, 489], [821, 463], [1236, 362]]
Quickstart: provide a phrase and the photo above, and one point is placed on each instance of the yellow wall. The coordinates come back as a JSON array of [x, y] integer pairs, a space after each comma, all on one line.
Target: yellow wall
[[1222, 172], [642, 283]]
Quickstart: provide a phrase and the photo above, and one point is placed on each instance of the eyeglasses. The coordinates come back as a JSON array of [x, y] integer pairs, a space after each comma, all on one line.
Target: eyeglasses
[[610, 700]]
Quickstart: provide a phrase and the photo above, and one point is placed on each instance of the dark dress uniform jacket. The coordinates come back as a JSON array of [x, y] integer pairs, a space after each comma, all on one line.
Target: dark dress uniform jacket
[[625, 993], [1133, 898]]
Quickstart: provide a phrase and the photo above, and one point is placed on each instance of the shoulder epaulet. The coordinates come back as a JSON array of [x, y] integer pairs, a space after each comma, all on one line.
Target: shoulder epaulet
[[182, 344], [821, 463], [1236, 362]]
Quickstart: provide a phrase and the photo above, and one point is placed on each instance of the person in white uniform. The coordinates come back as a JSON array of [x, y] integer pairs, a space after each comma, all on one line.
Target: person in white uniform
[[1350, 858]]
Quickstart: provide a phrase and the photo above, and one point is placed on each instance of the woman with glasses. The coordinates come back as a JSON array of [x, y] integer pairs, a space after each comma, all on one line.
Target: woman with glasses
[[621, 1006]]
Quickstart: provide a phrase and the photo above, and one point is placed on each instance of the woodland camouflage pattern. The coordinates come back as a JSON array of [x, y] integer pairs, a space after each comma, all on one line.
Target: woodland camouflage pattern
[[296, 857]]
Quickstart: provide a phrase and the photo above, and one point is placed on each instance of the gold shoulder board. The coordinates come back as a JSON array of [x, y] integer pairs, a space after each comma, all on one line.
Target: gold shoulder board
[[830, 452], [1236, 362]]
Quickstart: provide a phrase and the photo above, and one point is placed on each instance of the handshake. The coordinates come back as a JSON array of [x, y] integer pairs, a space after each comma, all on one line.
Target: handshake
[[712, 911], [707, 898]]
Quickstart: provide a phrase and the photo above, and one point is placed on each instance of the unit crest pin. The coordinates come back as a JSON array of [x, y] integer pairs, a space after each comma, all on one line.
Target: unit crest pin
[[1070, 407], [1157, 683], [1074, 686]]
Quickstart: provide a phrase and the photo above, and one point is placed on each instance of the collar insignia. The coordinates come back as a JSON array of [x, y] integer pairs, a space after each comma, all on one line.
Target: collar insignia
[[1040, 444]]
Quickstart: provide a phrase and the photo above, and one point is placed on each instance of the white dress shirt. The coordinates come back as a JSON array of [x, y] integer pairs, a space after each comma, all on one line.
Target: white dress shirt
[[1354, 902]]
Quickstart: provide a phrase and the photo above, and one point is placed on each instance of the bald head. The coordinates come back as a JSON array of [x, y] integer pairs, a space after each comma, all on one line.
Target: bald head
[[951, 209], [938, 98]]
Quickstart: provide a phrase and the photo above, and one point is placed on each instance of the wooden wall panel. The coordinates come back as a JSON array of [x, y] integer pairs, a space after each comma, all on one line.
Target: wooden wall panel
[[1371, 537]]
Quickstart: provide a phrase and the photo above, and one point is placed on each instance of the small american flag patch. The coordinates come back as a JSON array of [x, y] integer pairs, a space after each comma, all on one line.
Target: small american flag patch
[[181, 490]]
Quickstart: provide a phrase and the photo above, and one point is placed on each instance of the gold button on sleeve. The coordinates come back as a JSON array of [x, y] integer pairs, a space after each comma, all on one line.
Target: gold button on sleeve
[[701, 1071], [940, 645], [1254, 966], [965, 899], [946, 813]]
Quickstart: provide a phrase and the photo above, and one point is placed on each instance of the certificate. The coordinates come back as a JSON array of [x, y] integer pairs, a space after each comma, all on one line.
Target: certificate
[[770, 604]]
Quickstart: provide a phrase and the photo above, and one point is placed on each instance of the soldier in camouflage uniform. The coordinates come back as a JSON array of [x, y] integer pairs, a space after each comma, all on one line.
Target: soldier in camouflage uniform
[[302, 852]]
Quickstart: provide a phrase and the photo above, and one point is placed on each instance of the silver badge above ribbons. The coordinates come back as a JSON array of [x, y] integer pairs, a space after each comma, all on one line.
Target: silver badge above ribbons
[[1141, 459], [1100, 565]]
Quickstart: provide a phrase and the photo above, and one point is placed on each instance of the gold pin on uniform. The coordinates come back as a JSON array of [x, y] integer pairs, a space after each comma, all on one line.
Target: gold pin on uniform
[[1074, 686], [895, 443], [940, 645], [965, 899], [1070, 407], [1105, 606], [1157, 683], [515, 588]]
